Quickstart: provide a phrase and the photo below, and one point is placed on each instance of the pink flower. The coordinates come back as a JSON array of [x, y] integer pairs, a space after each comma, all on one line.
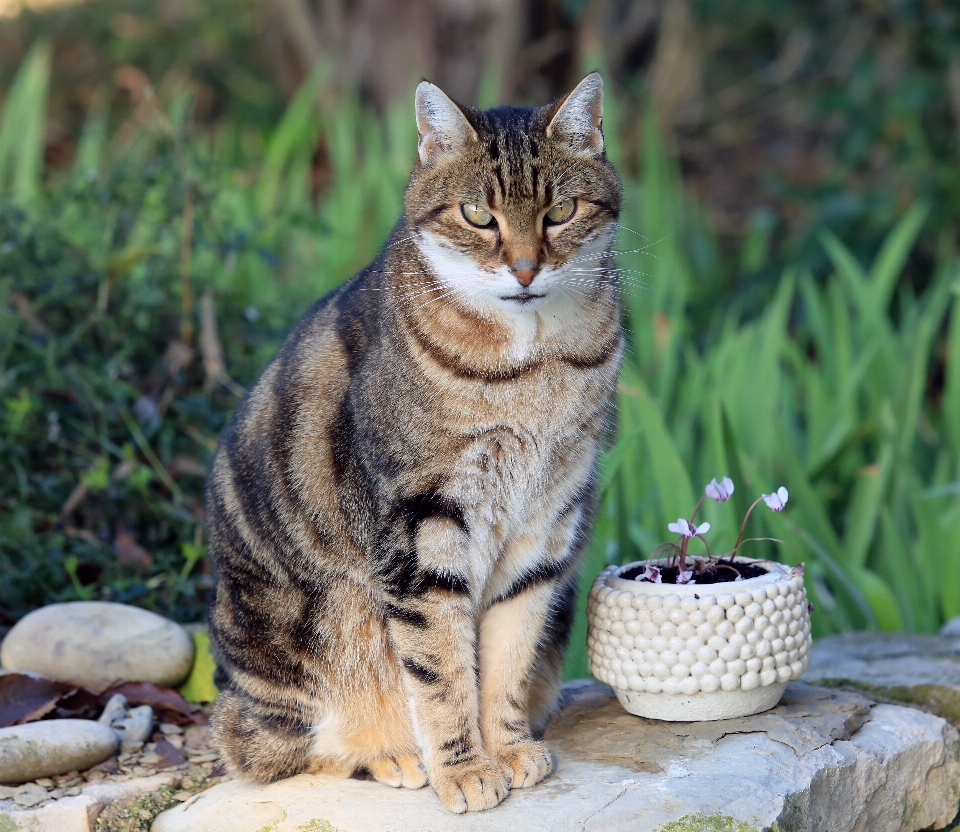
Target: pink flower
[[720, 491], [688, 529], [686, 577], [652, 574], [777, 500]]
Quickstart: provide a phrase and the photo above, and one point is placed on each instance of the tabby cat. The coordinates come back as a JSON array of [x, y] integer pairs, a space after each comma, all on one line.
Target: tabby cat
[[398, 509]]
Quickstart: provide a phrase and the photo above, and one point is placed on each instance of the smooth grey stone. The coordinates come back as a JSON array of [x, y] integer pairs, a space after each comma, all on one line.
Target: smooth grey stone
[[137, 725], [96, 642], [114, 712], [55, 746]]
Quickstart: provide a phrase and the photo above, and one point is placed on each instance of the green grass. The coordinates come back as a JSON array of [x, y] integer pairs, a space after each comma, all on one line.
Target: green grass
[[845, 388]]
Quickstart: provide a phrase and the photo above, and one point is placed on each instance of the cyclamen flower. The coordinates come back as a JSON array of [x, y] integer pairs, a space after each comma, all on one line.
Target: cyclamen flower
[[652, 574], [777, 500], [688, 529], [719, 491], [686, 577]]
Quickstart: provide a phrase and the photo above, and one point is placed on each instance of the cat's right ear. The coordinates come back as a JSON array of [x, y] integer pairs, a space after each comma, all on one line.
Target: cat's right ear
[[442, 126]]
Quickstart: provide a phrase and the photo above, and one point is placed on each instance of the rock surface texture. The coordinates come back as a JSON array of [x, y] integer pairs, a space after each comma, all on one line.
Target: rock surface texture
[[122, 794], [42, 749], [821, 760], [896, 667], [94, 642], [79, 813]]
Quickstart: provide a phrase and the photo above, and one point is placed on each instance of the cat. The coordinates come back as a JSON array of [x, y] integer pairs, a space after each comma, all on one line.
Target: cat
[[398, 509]]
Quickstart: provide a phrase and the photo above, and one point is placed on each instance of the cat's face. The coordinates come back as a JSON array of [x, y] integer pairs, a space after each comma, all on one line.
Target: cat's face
[[514, 208]]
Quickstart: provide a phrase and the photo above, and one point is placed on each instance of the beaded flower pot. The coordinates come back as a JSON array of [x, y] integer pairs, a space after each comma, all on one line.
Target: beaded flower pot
[[694, 652]]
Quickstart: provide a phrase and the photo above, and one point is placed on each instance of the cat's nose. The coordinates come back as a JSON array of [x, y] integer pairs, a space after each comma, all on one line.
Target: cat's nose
[[524, 271]]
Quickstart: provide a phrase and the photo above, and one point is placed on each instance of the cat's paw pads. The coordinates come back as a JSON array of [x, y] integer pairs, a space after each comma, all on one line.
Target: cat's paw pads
[[471, 787], [404, 770], [524, 763]]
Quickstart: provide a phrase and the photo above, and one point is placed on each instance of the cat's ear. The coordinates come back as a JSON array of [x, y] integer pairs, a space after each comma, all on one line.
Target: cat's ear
[[579, 117], [442, 126]]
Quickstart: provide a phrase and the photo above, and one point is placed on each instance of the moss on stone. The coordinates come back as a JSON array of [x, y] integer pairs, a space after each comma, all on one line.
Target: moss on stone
[[272, 827], [709, 823], [314, 825], [8, 824], [941, 700], [137, 813]]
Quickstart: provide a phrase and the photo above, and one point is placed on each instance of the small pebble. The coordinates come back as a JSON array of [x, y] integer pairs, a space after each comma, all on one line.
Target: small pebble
[[132, 748], [31, 795], [150, 759], [46, 782], [196, 736], [55, 794], [72, 792], [181, 796], [136, 726], [208, 757], [175, 740], [169, 728], [8, 791]]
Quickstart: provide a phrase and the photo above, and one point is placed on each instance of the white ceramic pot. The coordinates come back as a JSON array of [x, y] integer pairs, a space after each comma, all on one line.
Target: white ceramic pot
[[695, 652]]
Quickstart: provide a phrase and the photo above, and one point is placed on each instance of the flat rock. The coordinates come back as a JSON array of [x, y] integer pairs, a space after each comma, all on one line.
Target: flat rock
[[913, 669], [80, 813], [43, 749], [822, 759], [95, 642]]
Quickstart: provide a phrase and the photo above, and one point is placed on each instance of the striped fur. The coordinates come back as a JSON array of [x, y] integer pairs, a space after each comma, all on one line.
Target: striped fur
[[398, 509]]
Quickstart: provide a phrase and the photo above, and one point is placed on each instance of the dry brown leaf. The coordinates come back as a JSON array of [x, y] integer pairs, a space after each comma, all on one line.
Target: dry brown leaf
[[25, 698], [129, 551], [167, 704]]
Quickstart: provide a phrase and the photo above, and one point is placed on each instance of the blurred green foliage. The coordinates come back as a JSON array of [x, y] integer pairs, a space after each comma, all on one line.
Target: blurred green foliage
[[124, 278]]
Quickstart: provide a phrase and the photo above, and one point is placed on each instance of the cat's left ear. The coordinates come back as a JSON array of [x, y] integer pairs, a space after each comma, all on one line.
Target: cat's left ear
[[579, 118], [440, 122]]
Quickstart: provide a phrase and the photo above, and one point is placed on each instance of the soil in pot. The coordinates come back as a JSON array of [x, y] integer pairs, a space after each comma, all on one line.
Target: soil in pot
[[713, 571]]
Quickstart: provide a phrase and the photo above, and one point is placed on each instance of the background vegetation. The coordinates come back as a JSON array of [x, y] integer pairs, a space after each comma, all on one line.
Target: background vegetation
[[176, 187]]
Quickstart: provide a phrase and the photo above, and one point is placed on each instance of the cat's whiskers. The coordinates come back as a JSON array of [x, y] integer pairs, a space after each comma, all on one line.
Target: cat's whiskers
[[632, 231]]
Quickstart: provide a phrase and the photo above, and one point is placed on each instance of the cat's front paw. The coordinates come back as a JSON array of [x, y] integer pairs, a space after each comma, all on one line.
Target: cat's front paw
[[404, 770], [471, 787], [524, 763]]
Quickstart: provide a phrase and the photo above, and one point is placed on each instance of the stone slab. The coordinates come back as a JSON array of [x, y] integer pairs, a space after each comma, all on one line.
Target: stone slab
[[821, 760], [914, 669], [80, 813]]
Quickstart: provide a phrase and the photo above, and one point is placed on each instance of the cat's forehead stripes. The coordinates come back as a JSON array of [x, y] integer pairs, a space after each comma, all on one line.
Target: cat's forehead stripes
[[512, 154]]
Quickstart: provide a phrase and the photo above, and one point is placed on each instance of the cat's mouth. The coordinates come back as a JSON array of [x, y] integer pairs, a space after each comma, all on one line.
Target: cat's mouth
[[521, 297]]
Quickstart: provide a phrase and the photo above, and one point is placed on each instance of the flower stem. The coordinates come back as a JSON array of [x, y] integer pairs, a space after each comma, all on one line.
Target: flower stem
[[743, 526], [699, 503], [682, 563]]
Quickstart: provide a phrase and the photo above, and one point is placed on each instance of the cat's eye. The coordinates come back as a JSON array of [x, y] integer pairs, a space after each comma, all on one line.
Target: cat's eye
[[475, 215], [561, 211]]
